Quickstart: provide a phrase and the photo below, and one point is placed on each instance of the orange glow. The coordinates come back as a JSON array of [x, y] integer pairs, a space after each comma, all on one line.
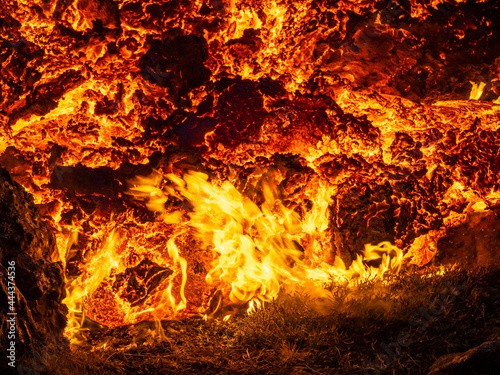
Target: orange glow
[[193, 156]]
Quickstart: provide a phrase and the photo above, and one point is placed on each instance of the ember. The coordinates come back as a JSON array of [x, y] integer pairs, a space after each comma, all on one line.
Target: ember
[[198, 158]]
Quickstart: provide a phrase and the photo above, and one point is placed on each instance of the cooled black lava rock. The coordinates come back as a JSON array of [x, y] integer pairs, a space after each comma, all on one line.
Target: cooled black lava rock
[[483, 359], [28, 246]]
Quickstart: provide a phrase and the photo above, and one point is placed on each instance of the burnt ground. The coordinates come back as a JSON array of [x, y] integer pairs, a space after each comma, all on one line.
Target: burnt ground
[[397, 329]]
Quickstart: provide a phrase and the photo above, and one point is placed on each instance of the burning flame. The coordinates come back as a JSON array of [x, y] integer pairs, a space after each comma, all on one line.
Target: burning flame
[[260, 248], [477, 90], [294, 108]]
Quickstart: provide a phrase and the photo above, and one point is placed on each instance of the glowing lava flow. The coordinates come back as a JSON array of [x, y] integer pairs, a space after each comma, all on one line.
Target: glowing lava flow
[[323, 125]]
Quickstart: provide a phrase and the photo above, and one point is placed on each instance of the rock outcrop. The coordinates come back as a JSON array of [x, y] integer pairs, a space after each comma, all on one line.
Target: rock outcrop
[[32, 316]]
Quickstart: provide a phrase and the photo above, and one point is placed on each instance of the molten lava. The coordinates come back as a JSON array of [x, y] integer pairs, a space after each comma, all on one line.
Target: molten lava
[[195, 155]]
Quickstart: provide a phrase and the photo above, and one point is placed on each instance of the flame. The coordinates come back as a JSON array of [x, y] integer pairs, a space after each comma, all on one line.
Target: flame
[[302, 110], [260, 249], [173, 252], [97, 293], [477, 90]]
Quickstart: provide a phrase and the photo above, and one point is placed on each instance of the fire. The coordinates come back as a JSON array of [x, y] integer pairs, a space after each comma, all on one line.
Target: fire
[[118, 286], [477, 90], [254, 246], [209, 154], [259, 249]]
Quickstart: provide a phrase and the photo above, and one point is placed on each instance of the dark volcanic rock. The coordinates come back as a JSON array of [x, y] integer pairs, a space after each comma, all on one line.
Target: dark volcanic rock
[[240, 111], [176, 63], [483, 359], [44, 98], [140, 281], [362, 214], [28, 247], [474, 241]]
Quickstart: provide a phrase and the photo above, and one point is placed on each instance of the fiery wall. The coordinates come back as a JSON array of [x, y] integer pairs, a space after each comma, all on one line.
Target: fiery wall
[[336, 123]]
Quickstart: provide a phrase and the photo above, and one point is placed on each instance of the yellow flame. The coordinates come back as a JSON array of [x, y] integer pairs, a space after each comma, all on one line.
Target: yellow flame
[[258, 247], [99, 267], [477, 90], [173, 252]]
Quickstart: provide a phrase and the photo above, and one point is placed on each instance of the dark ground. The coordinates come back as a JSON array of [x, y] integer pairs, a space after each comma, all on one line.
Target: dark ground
[[350, 333]]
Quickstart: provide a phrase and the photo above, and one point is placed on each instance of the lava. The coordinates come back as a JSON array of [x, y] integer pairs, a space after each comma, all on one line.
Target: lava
[[193, 155]]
